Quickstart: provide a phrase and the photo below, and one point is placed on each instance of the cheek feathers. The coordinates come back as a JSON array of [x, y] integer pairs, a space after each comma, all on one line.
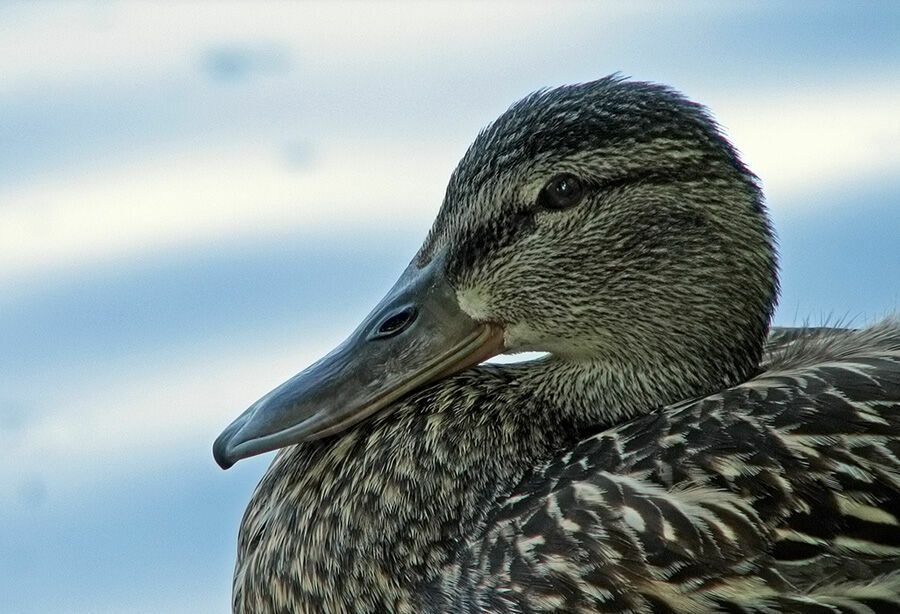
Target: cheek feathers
[[518, 336], [474, 302]]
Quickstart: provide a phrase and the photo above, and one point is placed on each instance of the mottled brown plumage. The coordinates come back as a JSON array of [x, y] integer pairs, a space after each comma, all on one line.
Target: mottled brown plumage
[[755, 478]]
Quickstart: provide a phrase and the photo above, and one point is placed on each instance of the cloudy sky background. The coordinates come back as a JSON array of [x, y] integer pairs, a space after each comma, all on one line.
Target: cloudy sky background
[[197, 201]]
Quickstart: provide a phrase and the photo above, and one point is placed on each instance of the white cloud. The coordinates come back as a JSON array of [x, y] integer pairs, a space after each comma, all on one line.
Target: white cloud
[[805, 143], [184, 197], [801, 144], [73, 42]]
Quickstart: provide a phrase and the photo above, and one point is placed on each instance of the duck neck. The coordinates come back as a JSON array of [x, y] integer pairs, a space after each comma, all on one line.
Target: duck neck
[[363, 521]]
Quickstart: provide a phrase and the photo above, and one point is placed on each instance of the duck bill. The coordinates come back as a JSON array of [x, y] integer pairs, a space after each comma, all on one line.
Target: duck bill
[[416, 335]]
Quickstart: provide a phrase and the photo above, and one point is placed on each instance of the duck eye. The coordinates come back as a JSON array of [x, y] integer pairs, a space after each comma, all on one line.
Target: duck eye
[[395, 324], [561, 192]]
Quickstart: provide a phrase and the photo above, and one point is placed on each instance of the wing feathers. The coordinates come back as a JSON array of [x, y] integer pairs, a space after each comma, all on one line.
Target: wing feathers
[[779, 495]]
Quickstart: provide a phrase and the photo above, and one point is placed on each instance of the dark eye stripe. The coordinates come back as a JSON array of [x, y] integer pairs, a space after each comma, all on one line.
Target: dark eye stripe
[[660, 176], [494, 234], [476, 243]]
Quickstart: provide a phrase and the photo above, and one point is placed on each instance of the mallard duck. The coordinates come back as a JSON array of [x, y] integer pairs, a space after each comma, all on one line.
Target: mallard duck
[[669, 453]]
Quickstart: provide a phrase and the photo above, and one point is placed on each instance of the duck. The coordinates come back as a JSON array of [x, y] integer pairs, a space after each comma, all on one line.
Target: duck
[[669, 451]]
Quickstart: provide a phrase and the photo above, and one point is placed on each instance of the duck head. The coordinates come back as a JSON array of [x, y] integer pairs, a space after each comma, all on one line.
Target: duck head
[[608, 223]]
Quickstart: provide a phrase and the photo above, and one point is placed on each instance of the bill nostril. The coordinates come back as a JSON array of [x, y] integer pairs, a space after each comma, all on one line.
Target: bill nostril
[[395, 323]]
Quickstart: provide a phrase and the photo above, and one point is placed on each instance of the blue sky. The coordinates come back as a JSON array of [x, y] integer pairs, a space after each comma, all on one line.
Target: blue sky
[[196, 201]]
